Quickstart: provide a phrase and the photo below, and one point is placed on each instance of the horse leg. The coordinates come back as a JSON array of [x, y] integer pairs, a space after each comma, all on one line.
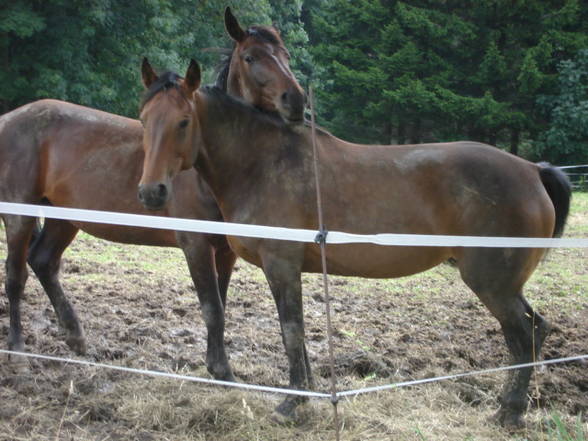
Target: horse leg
[[284, 278], [18, 234], [225, 261], [45, 259], [524, 330], [200, 257], [524, 337]]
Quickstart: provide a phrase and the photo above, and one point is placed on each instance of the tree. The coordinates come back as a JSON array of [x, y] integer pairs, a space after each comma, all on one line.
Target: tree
[[423, 70], [287, 17], [566, 139], [90, 52]]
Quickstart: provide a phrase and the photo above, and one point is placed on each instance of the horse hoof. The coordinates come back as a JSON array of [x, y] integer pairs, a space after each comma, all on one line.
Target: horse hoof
[[226, 376], [285, 413], [77, 344], [511, 421], [225, 373], [20, 364], [229, 377], [281, 419]]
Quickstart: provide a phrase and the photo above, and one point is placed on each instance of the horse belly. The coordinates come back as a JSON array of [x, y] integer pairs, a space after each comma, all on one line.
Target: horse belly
[[129, 235], [375, 261]]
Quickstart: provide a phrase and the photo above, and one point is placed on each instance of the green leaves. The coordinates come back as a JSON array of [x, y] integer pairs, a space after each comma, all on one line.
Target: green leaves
[[383, 70], [89, 52], [20, 20], [441, 70], [566, 139]]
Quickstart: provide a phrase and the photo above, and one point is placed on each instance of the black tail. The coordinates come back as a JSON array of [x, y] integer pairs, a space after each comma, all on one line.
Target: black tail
[[559, 189], [38, 228]]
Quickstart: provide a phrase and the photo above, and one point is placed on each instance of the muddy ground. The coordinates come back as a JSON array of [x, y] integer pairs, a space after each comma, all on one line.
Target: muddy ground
[[139, 309]]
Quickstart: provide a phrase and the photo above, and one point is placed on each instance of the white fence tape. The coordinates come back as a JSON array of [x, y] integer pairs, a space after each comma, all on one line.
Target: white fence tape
[[334, 237], [300, 235]]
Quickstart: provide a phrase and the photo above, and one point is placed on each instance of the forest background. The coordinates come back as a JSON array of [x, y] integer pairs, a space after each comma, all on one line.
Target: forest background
[[512, 73]]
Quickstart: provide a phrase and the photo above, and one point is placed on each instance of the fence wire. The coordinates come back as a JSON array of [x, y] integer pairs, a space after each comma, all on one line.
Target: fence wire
[[302, 393]]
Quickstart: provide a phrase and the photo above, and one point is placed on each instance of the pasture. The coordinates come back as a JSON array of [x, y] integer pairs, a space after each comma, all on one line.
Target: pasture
[[139, 309]]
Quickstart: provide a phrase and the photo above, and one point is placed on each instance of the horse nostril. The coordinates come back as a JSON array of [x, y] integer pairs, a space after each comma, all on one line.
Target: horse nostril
[[140, 194], [162, 190], [285, 98]]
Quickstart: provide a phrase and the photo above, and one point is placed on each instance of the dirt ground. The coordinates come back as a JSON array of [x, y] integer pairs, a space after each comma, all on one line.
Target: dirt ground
[[139, 310]]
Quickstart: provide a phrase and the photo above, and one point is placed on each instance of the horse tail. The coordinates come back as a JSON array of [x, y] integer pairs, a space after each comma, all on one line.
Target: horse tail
[[559, 189], [38, 230]]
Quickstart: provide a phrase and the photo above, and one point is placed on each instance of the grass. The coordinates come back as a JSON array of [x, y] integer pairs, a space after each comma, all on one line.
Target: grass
[[559, 431]]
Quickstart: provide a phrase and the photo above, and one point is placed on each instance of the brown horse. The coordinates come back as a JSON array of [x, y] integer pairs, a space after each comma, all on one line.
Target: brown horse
[[260, 171], [66, 155]]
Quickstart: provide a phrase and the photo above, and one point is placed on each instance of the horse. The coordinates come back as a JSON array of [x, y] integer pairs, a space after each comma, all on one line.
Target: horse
[[65, 155], [261, 172]]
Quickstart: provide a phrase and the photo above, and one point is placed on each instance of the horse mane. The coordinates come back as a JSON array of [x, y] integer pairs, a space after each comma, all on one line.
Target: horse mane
[[222, 75], [240, 107]]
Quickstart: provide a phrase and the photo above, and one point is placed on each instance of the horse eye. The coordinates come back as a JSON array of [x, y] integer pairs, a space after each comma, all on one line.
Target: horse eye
[[249, 59], [183, 124]]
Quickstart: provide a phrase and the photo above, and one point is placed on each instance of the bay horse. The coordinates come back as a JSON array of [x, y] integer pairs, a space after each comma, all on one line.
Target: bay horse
[[261, 172], [62, 154]]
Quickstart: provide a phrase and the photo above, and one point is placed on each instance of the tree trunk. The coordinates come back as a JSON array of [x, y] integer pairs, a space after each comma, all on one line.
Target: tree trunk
[[401, 133], [515, 140], [415, 135], [493, 137]]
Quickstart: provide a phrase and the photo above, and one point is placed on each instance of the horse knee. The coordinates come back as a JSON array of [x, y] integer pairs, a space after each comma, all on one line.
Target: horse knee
[[42, 263]]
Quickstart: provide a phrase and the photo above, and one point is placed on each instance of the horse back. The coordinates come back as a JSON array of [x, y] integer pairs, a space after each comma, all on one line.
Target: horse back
[[460, 188], [78, 157]]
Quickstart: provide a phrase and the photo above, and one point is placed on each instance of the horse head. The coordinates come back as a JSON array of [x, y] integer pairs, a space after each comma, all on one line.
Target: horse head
[[260, 70], [169, 131]]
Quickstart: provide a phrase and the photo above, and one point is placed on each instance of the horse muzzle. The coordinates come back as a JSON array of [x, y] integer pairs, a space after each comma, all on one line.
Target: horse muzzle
[[292, 105], [154, 196]]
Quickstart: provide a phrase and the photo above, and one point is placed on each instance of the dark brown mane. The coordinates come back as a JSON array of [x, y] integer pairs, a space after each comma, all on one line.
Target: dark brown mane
[[223, 71], [240, 109]]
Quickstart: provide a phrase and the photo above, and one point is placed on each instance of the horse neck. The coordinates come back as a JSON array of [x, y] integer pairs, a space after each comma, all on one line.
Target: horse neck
[[228, 136], [243, 148]]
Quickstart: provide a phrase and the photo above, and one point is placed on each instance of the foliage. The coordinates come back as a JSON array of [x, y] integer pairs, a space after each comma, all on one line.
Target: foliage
[[384, 70], [558, 431], [90, 52], [287, 17], [420, 70], [566, 139]]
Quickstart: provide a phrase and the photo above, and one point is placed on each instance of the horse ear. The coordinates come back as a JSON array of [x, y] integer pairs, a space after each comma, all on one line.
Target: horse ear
[[147, 73], [192, 78], [232, 26]]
